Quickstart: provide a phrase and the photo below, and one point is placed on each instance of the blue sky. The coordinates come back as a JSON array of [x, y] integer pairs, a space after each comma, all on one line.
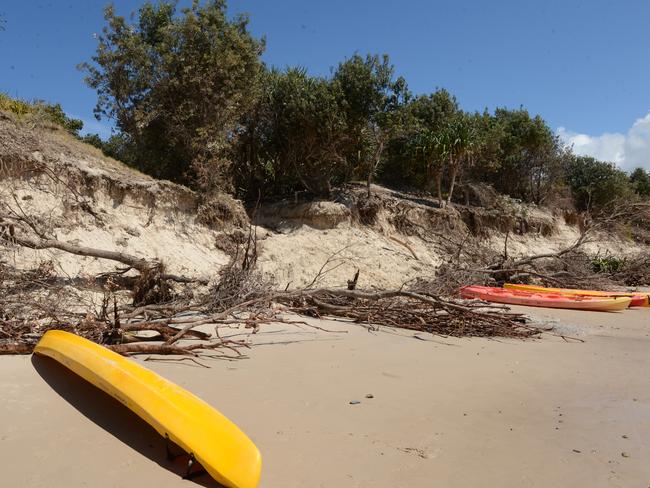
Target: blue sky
[[583, 65]]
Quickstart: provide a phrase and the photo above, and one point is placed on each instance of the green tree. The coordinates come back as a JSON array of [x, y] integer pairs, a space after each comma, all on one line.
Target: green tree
[[177, 85], [427, 152], [482, 157], [419, 148], [93, 140], [370, 96], [463, 142], [117, 146], [293, 138], [529, 155], [434, 110], [640, 180], [595, 183], [55, 113]]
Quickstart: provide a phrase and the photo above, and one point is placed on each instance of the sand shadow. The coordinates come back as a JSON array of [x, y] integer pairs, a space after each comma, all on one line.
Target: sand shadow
[[113, 417]]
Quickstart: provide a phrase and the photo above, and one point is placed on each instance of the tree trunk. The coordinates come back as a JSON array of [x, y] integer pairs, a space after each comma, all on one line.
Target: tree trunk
[[439, 187], [375, 164], [454, 172]]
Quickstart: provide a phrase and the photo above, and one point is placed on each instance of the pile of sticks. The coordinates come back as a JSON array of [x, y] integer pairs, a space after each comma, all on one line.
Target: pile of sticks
[[172, 327], [422, 312]]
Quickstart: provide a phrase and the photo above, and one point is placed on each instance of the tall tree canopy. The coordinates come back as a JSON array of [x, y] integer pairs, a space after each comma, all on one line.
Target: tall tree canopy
[[309, 133], [595, 183], [193, 103], [370, 97], [177, 84], [293, 137], [640, 180]]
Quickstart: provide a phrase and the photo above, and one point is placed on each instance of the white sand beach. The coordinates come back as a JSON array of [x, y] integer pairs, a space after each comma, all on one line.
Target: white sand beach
[[443, 412]]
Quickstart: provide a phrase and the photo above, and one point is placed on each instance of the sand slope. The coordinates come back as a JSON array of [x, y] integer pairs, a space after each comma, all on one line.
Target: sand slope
[[445, 412]]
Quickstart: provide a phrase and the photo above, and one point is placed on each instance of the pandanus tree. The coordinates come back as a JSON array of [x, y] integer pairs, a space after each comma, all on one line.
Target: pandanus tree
[[640, 180], [429, 141], [429, 150], [370, 96], [459, 135]]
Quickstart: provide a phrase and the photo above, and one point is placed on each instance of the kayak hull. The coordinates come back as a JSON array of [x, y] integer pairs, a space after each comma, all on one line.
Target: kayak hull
[[638, 299], [225, 452], [548, 300]]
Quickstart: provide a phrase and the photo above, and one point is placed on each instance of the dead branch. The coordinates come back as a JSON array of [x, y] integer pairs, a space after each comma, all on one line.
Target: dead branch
[[352, 284], [164, 330], [177, 360], [138, 263], [163, 349], [332, 262], [215, 317], [406, 245], [530, 259]]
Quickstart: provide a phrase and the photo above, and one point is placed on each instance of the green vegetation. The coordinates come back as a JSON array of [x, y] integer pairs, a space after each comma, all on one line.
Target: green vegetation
[[310, 133], [177, 85], [640, 180], [15, 106], [39, 109], [595, 183], [607, 265], [193, 103]]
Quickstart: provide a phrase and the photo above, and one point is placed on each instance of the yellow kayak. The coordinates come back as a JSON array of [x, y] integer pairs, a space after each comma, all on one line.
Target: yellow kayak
[[223, 450], [638, 299]]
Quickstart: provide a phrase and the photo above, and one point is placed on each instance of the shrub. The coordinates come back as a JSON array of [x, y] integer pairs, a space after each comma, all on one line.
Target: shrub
[[607, 265], [40, 109], [595, 183]]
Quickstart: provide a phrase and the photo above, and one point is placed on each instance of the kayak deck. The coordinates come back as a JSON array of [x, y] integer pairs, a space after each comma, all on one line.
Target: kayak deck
[[223, 450], [638, 299], [548, 300]]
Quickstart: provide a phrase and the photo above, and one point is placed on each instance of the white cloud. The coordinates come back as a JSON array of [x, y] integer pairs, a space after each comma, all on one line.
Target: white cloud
[[628, 150], [94, 126]]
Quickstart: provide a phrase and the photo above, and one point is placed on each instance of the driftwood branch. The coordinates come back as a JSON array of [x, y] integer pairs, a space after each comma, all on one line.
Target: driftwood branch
[[164, 349], [132, 261], [140, 264]]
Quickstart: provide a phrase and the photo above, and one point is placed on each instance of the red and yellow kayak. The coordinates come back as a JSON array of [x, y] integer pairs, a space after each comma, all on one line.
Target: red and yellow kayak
[[549, 300], [638, 299]]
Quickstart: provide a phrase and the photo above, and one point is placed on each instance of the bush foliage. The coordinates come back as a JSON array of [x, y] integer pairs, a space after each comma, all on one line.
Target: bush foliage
[[176, 84], [193, 102], [41, 110]]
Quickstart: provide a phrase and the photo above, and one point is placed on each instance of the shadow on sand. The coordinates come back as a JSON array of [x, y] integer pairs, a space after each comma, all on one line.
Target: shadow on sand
[[113, 417]]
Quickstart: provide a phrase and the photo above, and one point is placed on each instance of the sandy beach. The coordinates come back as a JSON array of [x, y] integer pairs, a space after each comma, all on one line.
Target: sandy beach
[[443, 412], [314, 220]]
